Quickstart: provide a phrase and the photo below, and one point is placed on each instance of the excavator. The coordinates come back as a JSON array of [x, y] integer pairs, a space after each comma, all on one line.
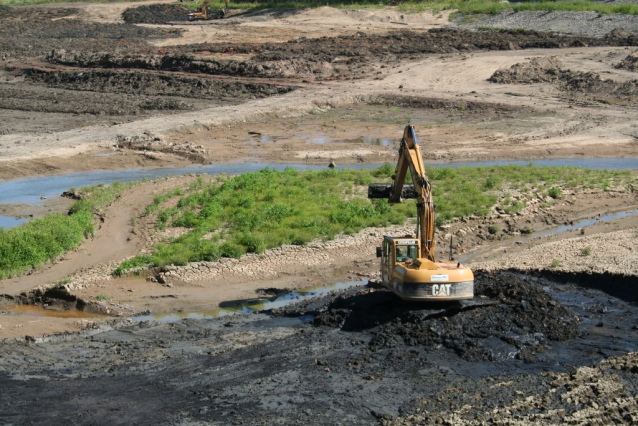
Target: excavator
[[408, 264], [203, 11]]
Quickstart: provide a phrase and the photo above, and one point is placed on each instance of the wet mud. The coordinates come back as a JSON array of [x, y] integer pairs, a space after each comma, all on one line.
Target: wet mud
[[29, 33], [281, 367], [577, 86], [155, 14]]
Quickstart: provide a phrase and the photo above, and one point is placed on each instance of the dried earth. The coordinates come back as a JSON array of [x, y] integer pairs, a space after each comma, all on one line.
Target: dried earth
[[551, 341]]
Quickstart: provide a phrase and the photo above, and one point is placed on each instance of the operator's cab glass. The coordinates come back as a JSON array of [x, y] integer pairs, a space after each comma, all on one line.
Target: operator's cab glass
[[406, 252]]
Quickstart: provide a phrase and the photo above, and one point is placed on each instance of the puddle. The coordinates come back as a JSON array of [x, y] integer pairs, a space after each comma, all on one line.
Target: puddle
[[255, 305], [563, 228], [580, 224], [40, 311], [9, 222], [262, 138]]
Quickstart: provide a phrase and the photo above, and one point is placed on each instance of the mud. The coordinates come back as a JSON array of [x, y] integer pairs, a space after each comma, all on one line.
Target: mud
[[509, 310], [329, 58], [262, 369], [29, 33], [577, 86], [160, 84], [630, 63], [155, 14]]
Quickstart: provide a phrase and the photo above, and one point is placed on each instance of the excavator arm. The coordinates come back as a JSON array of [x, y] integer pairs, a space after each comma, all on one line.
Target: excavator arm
[[410, 159]]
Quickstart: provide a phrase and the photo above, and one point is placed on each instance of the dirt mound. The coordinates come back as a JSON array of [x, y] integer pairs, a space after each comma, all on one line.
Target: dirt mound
[[155, 14], [577, 86], [514, 318], [630, 63], [538, 70], [109, 81]]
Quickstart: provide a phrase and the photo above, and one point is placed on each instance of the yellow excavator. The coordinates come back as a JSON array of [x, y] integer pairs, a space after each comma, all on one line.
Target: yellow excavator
[[203, 11], [408, 265]]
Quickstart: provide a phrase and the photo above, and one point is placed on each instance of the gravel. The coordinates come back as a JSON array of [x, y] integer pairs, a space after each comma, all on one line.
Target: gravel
[[578, 23]]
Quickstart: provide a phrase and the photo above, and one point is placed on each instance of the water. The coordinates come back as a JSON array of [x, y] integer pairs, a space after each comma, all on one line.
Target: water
[[580, 224], [564, 228], [253, 305], [9, 222], [30, 190]]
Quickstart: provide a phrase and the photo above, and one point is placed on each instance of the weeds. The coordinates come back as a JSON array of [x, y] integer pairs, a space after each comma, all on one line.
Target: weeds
[[102, 297], [493, 229], [555, 263], [35, 243], [585, 251], [527, 230], [555, 193]]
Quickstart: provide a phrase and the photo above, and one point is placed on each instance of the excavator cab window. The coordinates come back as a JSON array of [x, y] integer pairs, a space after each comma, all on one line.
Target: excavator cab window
[[404, 253]]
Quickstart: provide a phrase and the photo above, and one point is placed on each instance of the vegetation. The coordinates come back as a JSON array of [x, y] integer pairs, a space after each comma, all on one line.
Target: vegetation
[[555, 263], [555, 193], [102, 297], [527, 230], [585, 251], [230, 216], [256, 211], [493, 229], [35, 243]]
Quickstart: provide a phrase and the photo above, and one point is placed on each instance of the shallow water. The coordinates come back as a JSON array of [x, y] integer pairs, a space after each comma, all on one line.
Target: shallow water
[[251, 306]]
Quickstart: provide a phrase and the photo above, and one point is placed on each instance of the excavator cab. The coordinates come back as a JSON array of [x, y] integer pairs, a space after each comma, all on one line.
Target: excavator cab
[[408, 265]]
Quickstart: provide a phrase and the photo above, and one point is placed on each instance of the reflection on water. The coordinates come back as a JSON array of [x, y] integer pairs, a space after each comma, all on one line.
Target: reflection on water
[[254, 305], [40, 311]]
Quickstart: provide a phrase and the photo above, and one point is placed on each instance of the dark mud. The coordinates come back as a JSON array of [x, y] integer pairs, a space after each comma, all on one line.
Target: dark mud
[[340, 57], [513, 318], [29, 33], [277, 369], [154, 84], [155, 14], [630, 63], [34, 99], [577, 86]]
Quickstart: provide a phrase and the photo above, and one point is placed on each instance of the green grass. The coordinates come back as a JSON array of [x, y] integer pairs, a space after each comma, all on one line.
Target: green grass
[[585, 251], [256, 211], [35, 243]]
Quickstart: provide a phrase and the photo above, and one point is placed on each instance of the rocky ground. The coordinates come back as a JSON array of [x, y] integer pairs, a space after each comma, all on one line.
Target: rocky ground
[[122, 85]]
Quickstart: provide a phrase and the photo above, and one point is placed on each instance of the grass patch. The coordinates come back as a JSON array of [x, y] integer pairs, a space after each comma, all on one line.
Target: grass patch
[[585, 251], [256, 211], [35, 243], [555, 263], [102, 297], [493, 229]]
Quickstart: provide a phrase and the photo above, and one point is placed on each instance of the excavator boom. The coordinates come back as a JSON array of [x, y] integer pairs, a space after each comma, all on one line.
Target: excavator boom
[[408, 265]]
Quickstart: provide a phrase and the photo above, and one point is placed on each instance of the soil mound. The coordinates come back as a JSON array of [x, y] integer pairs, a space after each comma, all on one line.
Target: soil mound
[[153, 84], [155, 14], [538, 70], [577, 86], [630, 63], [509, 318]]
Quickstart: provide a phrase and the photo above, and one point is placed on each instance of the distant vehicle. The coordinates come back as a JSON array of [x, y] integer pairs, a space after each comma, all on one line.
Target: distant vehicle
[[203, 11]]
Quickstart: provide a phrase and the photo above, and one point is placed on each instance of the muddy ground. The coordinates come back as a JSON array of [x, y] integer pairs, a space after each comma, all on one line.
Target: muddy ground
[[387, 361], [126, 85]]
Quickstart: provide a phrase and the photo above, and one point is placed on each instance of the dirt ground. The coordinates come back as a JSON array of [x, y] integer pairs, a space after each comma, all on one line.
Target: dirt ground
[[116, 86]]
